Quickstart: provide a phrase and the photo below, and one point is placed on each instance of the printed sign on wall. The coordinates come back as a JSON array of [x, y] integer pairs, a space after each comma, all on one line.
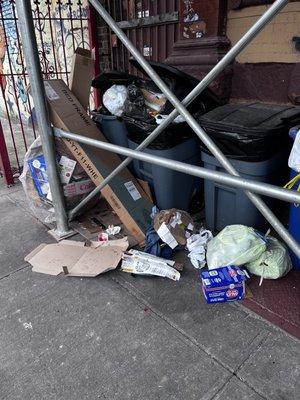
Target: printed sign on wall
[[193, 26]]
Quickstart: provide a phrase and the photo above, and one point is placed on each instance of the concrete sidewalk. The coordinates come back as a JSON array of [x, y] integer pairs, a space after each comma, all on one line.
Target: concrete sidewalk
[[119, 337]]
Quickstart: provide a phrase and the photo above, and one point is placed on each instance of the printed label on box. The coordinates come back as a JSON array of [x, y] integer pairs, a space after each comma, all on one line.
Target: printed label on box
[[67, 167], [134, 193]]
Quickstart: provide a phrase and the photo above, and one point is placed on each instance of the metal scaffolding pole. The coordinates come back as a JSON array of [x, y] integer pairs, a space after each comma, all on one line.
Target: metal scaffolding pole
[[227, 179], [261, 206], [38, 93], [206, 81]]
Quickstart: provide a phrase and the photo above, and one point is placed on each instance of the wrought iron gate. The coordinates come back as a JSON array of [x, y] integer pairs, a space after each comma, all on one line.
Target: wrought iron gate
[[61, 26]]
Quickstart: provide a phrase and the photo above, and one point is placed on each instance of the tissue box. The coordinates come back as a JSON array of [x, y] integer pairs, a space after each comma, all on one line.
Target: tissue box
[[223, 284]]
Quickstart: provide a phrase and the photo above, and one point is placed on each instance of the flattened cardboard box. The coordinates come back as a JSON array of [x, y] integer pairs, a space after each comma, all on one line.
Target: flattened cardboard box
[[81, 75], [124, 194]]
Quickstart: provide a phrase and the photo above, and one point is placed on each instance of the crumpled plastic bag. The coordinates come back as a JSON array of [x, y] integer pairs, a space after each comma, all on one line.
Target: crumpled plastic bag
[[196, 245], [114, 99], [273, 263], [294, 159], [40, 207], [235, 245]]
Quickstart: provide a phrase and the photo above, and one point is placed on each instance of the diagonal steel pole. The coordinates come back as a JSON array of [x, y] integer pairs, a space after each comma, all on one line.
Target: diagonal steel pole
[[207, 80], [260, 204]]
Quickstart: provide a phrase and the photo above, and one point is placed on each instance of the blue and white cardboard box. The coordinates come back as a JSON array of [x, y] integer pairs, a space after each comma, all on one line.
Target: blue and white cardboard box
[[39, 176], [223, 284]]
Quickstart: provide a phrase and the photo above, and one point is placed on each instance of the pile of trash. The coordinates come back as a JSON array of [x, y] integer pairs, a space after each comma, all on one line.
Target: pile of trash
[[142, 106], [124, 228]]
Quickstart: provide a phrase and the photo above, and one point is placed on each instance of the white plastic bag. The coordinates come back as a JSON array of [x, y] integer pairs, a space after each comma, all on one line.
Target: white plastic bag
[[294, 159], [234, 245], [197, 244], [114, 99], [273, 263]]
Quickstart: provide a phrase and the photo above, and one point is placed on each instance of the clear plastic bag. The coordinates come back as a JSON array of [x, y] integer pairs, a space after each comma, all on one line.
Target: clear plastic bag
[[235, 245], [36, 187], [294, 159], [40, 206]]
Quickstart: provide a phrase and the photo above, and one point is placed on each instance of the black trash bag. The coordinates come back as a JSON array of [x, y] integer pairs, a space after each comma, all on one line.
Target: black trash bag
[[134, 106]]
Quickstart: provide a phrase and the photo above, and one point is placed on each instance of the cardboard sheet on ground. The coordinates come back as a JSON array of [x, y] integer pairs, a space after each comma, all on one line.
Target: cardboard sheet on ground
[[79, 259]]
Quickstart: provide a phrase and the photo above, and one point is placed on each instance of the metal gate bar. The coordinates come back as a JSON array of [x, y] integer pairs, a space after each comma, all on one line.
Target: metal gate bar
[[278, 5], [52, 20], [259, 203], [38, 93]]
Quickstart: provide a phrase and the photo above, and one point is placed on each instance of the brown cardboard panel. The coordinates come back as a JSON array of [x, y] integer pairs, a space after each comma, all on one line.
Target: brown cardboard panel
[[97, 261], [124, 194], [49, 259], [146, 187], [76, 258], [81, 75]]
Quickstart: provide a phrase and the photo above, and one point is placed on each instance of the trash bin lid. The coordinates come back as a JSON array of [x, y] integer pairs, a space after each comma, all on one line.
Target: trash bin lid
[[251, 120]]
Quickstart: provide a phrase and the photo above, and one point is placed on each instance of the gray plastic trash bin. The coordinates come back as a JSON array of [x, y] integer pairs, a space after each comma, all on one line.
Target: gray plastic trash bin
[[226, 205], [170, 188], [113, 128]]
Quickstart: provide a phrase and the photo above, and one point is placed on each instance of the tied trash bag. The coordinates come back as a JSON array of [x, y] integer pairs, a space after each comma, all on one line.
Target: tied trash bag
[[294, 159], [273, 263], [234, 245], [114, 99]]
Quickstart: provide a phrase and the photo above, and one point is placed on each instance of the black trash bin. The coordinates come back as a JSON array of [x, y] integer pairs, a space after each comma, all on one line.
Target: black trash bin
[[255, 139]]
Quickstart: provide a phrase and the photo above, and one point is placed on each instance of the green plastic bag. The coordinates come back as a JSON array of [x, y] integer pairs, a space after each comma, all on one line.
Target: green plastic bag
[[234, 245], [274, 263]]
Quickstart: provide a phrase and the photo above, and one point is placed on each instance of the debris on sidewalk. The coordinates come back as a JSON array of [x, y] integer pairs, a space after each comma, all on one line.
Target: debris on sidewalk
[[77, 258], [174, 227], [139, 263], [113, 230], [153, 243], [197, 246], [124, 194], [235, 245], [97, 219], [223, 284]]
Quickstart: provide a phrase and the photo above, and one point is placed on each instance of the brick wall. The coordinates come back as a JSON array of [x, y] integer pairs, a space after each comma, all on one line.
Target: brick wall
[[104, 46], [274, 43]]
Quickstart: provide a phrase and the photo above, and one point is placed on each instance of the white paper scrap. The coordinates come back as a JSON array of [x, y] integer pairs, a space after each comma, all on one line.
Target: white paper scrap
[[166, 236]]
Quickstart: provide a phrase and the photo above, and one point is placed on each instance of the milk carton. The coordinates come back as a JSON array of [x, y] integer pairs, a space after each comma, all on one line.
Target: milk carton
[[223, 284]]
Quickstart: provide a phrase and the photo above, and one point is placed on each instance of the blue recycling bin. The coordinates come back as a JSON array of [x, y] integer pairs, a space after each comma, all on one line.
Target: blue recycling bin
[[294, 220]]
